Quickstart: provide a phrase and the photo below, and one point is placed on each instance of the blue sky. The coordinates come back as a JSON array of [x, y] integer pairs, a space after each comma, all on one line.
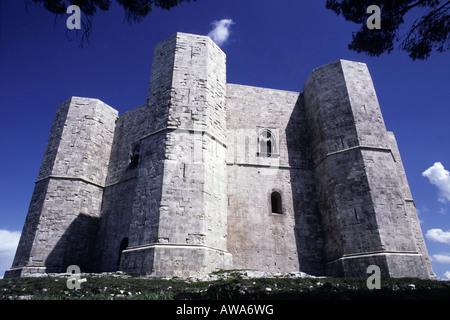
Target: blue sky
[[273, 44]]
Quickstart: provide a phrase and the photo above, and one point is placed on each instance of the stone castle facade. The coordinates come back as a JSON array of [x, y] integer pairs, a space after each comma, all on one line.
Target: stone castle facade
[[208, 175]]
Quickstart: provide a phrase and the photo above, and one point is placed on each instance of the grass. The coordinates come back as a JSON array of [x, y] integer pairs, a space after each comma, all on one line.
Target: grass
[[235, 287]]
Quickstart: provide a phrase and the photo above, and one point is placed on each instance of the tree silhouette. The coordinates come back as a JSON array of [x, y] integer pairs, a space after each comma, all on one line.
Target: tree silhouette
[[135, 10], [427, 33]]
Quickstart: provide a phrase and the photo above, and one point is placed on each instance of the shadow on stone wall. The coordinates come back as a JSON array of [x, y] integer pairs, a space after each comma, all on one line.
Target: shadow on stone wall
[[76, 246], [308, 230], [114, 225]]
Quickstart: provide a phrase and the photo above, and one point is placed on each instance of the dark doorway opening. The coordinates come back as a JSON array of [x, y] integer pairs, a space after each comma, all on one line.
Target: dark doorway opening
[[123, 246]]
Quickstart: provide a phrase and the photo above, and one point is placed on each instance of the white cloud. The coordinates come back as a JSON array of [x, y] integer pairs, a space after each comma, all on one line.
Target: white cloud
[[8, 245], [446, 275], [442, 258], [221, 31], [8, 241], [438, 235], [419, 215], [441, 179]]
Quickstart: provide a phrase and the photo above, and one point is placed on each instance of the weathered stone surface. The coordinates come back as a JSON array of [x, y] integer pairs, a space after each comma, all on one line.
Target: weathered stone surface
[[361, 199], [276, 242], [62, 220], [207, 176], [179, 220]]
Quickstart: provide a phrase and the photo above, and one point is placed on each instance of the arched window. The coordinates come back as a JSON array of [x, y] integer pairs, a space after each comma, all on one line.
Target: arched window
[[275, 202], [123, 246], [267, 146]]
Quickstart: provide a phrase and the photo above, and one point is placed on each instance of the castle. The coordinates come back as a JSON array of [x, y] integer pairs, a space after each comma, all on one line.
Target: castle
[[208, 175]]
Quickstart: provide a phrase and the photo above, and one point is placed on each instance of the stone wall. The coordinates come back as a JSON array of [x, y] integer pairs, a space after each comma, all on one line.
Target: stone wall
[[61, 223], [360, 198], [120, 189], [257, 237], [179, 222], [410, 207]]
